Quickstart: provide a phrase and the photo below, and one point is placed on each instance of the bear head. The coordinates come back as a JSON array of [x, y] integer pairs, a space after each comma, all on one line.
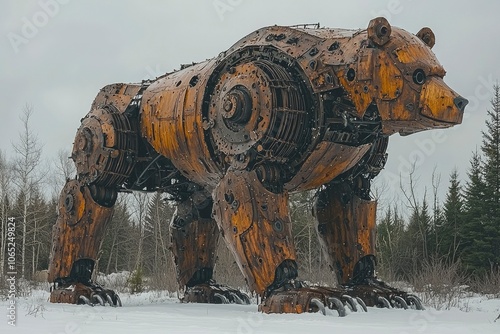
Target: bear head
[[398, 71]]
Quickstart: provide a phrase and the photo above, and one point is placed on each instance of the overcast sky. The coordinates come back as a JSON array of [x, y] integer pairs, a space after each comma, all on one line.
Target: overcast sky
[[57, 54]]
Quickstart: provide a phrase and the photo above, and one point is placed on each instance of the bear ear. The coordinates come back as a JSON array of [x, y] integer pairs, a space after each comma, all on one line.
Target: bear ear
[[427, 36], [379, 30]]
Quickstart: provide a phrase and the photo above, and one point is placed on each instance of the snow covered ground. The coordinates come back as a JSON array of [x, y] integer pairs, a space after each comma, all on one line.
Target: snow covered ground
[[157, 312]]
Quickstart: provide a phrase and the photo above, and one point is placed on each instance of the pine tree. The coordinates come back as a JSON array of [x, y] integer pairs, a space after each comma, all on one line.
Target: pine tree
[[390, 244], [419, 228], [491, 171], [453, 219], [418, 236], [475, 249], [437, 220]]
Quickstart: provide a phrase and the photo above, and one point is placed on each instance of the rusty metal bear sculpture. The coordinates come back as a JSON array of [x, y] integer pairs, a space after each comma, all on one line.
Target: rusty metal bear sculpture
[[285, 109]]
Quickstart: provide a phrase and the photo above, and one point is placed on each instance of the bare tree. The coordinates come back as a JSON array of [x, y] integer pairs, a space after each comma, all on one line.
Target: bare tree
[[64, 169], [118, 247], [419, 221], [40, 231], [4, 208], [28, 157], [140, 204], [409, 190]]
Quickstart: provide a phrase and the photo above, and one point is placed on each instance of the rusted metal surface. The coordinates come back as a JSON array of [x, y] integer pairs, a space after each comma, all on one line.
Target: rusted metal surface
[[341, 157], [194, 242], [171, 121], [310, 299], [70, 295], [79, 293], [117, 95], [284, 109], [105, 148], [346, 228], [78, 231], [256, 226]]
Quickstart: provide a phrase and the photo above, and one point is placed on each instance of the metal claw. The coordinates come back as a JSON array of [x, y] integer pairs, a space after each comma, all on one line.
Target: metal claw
[[236, 298], [245, 299], [110, 300], [351, 303], [222, 298], [362, 304], [96, 299], [241, 298], [401, 302], [319, 304], [332, 301], [416, 301], [85, 300], [118, 301], [384, 302]]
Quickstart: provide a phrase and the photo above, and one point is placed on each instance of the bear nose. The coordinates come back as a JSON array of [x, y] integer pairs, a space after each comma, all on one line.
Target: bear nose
[[460, 103]]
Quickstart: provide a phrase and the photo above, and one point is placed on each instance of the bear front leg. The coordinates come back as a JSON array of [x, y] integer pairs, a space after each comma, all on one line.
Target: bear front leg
[[346, 227], [256, 226]]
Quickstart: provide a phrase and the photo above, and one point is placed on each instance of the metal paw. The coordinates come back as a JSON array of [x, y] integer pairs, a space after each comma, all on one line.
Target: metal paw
[[215, 294], [376, 293], [83, 294]]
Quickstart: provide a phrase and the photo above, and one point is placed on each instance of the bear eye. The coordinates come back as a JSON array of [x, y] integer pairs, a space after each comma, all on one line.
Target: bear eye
[[419, 76]]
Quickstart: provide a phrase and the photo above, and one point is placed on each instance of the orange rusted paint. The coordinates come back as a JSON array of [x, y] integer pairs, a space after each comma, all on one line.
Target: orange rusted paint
[[314, 172], [70, 296], [117, 95], [78, 231], [194, 242], [256, 225], [346, 228]]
